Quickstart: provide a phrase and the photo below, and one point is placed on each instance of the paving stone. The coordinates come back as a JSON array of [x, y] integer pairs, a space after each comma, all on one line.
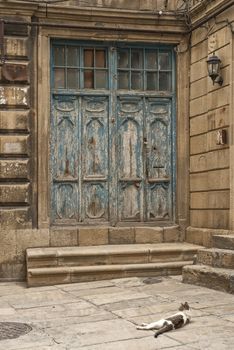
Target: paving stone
[[40, 299], [131, 303], [83, 285], [113, 298], [129, 282], [140, 311], [208, 337], [149, 343], [96, 333]]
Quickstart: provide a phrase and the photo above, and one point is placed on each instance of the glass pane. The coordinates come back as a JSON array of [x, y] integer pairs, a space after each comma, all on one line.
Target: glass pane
[[164, 60], [151, 81], [151, 59], [136, 59], [101, 79], [72, 56], [59, 55], [72, 78], [136, 81], [123, 59], [88, 79], [123, 80], [165, 81], [101, 58], [88, 58], [59, 78]]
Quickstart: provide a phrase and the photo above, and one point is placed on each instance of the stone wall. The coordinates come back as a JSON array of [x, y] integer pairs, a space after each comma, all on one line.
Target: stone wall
[[15, 128], [209, 113]]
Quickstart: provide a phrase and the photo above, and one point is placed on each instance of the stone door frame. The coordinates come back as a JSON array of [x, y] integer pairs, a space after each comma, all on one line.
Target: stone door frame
[[45, 35]]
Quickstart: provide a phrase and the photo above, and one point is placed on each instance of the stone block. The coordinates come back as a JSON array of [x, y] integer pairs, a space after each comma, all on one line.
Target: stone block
[[198, 125], [14, 193], [198, 106], [16, 73], [198, 36], [218, 118], [210, 200], [63, 237], [149, 234], [16, 47], [223, 241], [218, 98], [199, 51], [216, 257], [92, 236], [13, 271], [47, 279], [14, 96], [16, 218], [213, 160], [198, 144], [210, 277], [171, 234], [8, 246], [14, 120], [14, 169], [212, 180], [216, 219], [30, 238], [121, 235], [198, 71], [194, 236], [198, 88], [14, 145]]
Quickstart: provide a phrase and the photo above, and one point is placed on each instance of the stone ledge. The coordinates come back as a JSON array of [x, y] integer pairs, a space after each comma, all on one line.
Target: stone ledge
[[210, 277]]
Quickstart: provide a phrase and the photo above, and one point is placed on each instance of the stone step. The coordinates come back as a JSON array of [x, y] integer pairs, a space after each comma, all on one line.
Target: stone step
[[216, 257], [73, 274], [210, 277], [223, 241], [109, 254]]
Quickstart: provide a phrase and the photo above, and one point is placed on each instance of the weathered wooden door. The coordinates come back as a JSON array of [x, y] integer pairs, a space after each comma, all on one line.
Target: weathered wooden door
[[112, 134]]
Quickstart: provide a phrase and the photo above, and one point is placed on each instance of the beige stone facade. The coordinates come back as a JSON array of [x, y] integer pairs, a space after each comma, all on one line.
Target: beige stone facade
[[204, 175]]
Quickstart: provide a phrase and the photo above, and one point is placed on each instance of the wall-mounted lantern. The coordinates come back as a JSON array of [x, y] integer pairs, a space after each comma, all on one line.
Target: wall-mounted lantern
[[213, 66]]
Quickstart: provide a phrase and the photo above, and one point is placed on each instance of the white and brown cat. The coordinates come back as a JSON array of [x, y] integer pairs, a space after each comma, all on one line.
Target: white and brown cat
[[177, 320]]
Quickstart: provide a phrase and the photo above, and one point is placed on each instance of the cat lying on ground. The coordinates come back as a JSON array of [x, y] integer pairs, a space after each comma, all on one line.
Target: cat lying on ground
[[178, 320]]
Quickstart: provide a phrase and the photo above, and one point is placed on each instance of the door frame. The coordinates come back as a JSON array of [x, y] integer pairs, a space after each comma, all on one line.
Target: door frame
[[181, 199]]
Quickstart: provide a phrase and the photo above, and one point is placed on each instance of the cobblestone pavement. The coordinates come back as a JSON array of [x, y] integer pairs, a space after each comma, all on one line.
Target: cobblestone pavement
[[103, 315]]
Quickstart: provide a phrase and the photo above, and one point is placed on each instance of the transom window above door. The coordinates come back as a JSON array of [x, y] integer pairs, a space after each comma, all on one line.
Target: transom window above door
[[78, 68], [132, 68], [144, 69]]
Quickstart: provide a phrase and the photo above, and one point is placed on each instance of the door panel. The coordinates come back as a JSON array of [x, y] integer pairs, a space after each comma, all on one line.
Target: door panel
[[130, 163], [95, 154], [158, 159], [64, 157]]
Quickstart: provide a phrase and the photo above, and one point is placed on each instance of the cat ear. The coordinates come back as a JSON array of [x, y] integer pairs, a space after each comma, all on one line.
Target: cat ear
[[186, 305], [181, 308]]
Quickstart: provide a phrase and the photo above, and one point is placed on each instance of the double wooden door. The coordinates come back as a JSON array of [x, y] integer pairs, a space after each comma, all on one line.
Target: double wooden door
[[112, 134]]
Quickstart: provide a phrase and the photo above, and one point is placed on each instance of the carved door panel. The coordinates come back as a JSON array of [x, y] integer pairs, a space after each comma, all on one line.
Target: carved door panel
[[65, 159], [158, 160], [130, 163], [94, 153]]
